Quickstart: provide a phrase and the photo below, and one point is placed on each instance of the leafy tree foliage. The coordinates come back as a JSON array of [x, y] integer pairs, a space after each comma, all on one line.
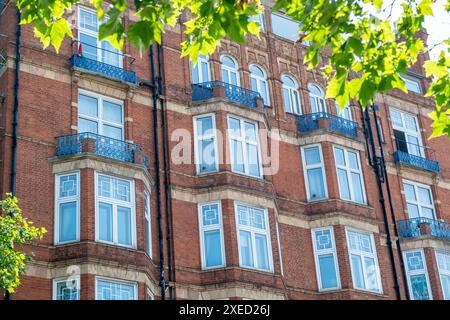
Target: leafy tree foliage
[[15, 231], [366, 53]]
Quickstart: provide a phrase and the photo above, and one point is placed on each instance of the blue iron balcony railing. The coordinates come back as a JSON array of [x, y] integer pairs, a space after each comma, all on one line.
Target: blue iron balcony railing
[[211, 89], [102, 146], [324, 120], [414, 155], [416, 227], [103, 62]]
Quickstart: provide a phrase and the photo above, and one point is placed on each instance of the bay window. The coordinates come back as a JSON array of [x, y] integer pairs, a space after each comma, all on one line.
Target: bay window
[[417, 275], [325, 258], [67, 218], [66, 288], [205, 144], [108, 289], [443, 262]]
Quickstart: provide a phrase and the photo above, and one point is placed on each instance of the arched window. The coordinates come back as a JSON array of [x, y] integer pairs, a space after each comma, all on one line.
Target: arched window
[[229, 70], [258, 80], [316, 98], [200, 70], [291, 96], [345, 113]]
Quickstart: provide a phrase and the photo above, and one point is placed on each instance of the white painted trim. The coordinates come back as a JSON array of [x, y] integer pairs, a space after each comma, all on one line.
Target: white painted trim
[[315, 166], [291, 92], [230, 70], [201, 59], [320, 100], [148, 222], [260, 81], [197, 138]]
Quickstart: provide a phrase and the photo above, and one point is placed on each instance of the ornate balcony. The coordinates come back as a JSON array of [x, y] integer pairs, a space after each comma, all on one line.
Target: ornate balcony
[[323, 120], [414, 155], [102, 62], [416, 227], [83, 143], [215, 89]]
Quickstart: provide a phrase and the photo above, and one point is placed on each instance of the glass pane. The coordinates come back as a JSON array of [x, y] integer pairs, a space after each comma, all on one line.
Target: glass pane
[[234, 125], [413, 211], [124, 225], [88, 20], [104, 186], [414, 147], [254, 84], [343, 185], [207, 157], [424, 195], [287, 101], [419, 287], [410, 122], [287, 81], [410, 193], [414, 261], [225, 77], [255, 70], [195, 74], [87, 105], [264, 93], [227, 61], [284, 27], [122, 190], [295, 102], [353, 160], [371, 273], [427, 213], [105, 222], [257, 219], [112, 112], [312, 155], [238, 158], [213, 250], [313, 103], [87, 126], [262, 254], [396, 119], [205, 71], [112, 132], [445, 283], [323, 239], [316, 184], [234, 78], [250, 131], [210, 214], [68, 221], [339, 156], [245, 248], [328, 273], [68, 186], [89, 47], [110, 55], [357, 187], [253, 161], [205, 126], [66, 290], [243, 215], [108, 290], [357, 272]]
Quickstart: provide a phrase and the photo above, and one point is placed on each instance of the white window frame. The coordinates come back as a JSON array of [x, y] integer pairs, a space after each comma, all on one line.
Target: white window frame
[[261, 81], [99, 119], [115, 203], [363, 254], [407, 132], [115, 281], [244, 142], [411, 80], [261, 20], [201, 59], [230, 70], [410, 273], [65, 279], [320, 165], [150, 295], [203, 229], [416, 202], [441, 272], [59, 201], [292, 91], [148, 223], [320, 252], [198, 137], [349, 171], [319, 100], [345, 113], [252, 232]]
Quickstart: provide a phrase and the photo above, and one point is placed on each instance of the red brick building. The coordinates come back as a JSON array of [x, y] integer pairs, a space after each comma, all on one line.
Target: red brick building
[[233, 178]]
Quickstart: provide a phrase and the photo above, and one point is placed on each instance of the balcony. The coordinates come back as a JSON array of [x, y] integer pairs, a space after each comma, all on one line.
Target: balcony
[[83, 143], [323, 120], [414, 155], [102, 62], [416, 227], [236, 94]]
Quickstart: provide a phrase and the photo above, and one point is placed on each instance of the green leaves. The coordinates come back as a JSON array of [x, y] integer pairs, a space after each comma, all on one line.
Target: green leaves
[[15, 231]]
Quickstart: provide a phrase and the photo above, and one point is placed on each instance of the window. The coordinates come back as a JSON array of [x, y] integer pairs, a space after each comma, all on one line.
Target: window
[[148, 224], [211, 235], [285, 27], [419, 200], [313, 166], [291, 96], [258, 80], [363, 261], [407, 133], [349, 175], [326, 259], [417, 275], [316, 99], [261, 20], [380, 129], [150, 295], [100, 115], [412, 83], [345, 113], [115, 211], [244, 144], [229, 70], [200, 70], [92, 48], [443, 262], [107, 289], [255, 250], [67, 188], [66, 289], [205, 144]]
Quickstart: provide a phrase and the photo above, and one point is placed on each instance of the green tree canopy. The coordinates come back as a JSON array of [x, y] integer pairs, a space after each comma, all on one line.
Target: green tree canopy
[[367, 53]]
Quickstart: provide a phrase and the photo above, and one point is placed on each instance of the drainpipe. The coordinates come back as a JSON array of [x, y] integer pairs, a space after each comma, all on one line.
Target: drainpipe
[[167, 206], [153, 85], [375, 162]]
